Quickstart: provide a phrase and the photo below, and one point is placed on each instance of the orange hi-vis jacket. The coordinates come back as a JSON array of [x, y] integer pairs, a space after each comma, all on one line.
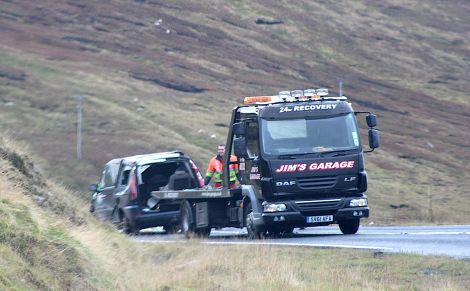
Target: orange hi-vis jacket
[[215, 170]]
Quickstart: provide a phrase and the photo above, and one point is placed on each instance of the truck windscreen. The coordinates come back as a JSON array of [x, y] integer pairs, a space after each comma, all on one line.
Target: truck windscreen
[[309, 135]]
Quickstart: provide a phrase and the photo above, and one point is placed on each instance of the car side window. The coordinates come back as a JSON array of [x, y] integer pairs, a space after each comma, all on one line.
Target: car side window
[[101, 184], [124, 179], [108, 177]]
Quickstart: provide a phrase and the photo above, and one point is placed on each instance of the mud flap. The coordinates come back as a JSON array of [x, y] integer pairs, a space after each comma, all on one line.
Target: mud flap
[[202, 215]]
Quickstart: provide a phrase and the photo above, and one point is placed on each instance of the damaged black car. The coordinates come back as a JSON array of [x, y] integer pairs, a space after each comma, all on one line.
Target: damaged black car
[[123, 194]]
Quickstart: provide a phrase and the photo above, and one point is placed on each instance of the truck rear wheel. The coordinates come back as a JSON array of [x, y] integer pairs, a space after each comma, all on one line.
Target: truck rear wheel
[[203, 232], [349, 226], [253, 231], [187, 224], [170, 229]]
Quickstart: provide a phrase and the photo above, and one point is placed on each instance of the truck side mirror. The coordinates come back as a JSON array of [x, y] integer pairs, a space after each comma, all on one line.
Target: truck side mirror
[[93, 188], [240, 147], [239, 128], [371, 120], [374, 138]]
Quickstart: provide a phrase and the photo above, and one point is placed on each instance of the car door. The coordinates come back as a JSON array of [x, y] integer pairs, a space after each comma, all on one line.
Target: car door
[[105, 201], [121, 192]]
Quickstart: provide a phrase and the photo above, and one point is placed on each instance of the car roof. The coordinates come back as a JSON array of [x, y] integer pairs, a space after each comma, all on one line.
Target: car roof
[[153, 158], [115, 161]]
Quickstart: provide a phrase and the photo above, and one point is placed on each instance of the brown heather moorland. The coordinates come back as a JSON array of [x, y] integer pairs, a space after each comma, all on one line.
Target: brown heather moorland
[[162, 75]]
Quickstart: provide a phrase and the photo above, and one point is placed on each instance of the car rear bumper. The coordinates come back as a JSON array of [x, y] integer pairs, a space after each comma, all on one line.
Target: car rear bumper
[[140, 219]]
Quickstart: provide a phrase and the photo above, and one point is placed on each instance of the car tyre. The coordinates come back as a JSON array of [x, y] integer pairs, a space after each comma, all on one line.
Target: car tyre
[[187, 223], [126, 226]]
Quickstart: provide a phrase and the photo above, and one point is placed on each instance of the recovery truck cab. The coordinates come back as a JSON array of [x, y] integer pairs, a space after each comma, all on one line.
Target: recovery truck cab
[[301, 162]]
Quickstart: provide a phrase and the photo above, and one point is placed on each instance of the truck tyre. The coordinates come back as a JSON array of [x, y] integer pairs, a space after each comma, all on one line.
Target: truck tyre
[[286, 230], [203, 232], [187, 223], [349, 226], [253, 231], [170, 229]]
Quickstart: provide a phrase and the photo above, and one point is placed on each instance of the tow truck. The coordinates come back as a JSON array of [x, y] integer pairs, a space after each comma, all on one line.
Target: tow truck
[[301, 164]]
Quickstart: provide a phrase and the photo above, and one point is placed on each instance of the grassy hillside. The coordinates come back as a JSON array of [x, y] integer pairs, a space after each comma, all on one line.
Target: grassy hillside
[[159, 76], [49, 242]]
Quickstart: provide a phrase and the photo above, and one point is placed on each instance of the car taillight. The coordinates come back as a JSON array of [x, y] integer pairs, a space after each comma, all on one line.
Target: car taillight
[[200, 179], [133, 187]]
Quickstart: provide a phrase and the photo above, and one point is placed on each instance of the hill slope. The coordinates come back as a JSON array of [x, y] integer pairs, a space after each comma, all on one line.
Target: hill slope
[[159, 76]]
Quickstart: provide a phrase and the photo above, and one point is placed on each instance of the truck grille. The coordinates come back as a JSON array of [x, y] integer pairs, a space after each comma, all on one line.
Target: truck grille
[[311, 183], [317, 204]]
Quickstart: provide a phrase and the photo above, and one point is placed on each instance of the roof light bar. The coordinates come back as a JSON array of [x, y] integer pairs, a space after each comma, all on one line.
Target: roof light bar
[[294, 95], [261, 99], [322, 92], [286, 96], [310, 92], [297, 93]]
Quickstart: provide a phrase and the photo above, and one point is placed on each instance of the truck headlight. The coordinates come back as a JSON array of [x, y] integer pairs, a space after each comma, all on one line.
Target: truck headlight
[[358, 202], [274, 207]]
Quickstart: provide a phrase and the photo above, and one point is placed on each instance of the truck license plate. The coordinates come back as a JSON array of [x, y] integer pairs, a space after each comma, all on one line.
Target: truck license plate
[[323, 218]]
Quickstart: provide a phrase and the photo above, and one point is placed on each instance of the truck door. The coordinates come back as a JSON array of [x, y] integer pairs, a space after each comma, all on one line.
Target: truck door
[[252, 171]]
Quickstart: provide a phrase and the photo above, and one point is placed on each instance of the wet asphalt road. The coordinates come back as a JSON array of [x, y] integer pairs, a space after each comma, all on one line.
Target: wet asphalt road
[[447, 240]]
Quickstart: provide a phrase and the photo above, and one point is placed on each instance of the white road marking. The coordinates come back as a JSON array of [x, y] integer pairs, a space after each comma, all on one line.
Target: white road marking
[[160, 241], [273, 243], [436, 232], [299, 245], [414, 233], [450, 241], [369, 232]]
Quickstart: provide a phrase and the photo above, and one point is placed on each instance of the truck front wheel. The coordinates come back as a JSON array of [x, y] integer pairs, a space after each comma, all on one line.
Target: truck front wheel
[[349, 226], [253, 231], [286, 230]]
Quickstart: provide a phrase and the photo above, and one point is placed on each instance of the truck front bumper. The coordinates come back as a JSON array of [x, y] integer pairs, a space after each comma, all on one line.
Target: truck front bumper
[[299, 219]]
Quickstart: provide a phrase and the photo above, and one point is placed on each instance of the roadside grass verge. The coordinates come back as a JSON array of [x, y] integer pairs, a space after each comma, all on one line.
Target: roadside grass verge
[[40, 258], [55, 244], [189, 265]]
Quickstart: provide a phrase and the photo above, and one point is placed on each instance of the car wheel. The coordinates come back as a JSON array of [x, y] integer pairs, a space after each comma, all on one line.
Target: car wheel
[[126, 226], [187, 224]]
